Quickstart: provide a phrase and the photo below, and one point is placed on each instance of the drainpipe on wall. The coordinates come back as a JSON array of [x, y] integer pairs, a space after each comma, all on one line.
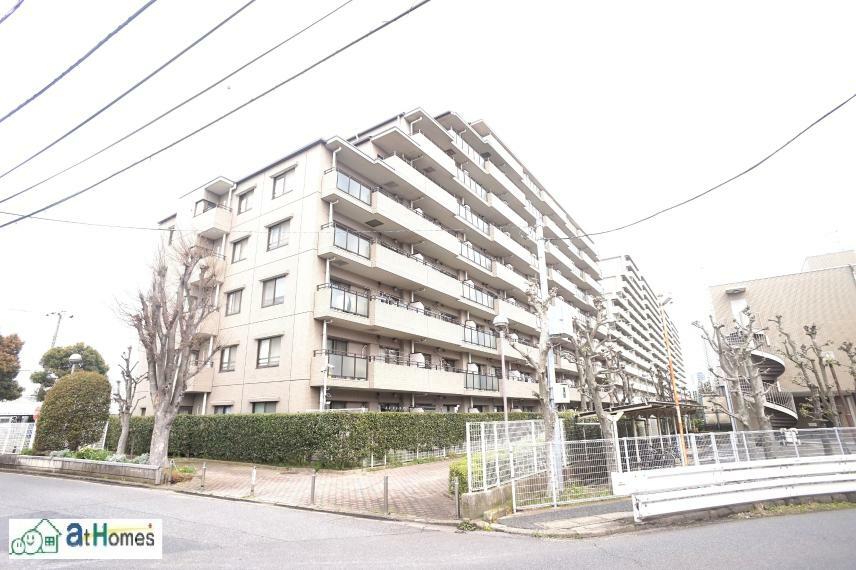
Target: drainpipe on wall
[[334, 157], [416, 120]]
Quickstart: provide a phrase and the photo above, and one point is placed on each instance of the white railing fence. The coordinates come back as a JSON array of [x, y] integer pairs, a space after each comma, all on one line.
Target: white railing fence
[[549, 474], [16, 436]]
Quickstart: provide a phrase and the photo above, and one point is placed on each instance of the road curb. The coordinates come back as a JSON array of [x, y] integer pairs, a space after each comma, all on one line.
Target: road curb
[[544, 533], [328, 510]]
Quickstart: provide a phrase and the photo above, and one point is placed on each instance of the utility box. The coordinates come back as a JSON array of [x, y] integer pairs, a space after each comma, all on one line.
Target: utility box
[[560, 319]]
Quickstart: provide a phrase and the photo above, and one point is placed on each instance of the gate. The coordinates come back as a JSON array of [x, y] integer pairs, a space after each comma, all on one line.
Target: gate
[[16, 436]]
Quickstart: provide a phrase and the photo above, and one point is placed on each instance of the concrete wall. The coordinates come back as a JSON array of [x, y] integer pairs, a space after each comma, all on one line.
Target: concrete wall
[[148, 474]]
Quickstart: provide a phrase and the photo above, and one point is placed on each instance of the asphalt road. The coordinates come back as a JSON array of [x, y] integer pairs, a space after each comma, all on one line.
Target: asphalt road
[[203, 532]]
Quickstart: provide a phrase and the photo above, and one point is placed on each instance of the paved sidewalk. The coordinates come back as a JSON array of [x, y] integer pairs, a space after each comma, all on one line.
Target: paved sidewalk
[[583, 519], [414, 490]]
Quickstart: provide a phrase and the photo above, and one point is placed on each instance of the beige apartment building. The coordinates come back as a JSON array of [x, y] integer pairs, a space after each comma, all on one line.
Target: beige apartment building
[[637, 320], [375, 265], [823, 293]]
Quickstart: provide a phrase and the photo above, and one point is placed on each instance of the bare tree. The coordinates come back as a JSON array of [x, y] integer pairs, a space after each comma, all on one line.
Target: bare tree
[[737, 370], [539, 361], [126, 398], [587, 349], [811, 371], [849, 349], [167, 317]]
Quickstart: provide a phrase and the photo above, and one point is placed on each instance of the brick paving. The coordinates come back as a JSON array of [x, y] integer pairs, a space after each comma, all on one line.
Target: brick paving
[[414, 490]]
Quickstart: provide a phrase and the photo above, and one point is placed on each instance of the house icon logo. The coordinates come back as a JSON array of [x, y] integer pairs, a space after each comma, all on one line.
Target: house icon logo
[[41, 539]]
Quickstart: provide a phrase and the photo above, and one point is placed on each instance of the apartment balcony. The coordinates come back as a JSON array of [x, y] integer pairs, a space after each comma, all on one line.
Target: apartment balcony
[[203, 380], [513, 194], [515, 253], [569, 291], [425, 186], [518, 315], [504, 156], [404, 374], [214, 222], [511, 277], [556, 256], [210, 325], [509, 217]]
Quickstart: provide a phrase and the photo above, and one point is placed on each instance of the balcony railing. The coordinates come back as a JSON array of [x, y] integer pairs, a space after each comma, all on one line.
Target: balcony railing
[[408, 361], [414, 257], [478, 296], [203, 206], [345, 365], [471, 153], [772, 395], [478, 381], [357, 189], [347, 301], [464, 178], [350, 240], [480, 337], [476, 256], [480, 223]]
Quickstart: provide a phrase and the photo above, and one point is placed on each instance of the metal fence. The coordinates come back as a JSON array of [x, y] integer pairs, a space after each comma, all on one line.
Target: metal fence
[[489, 449], [16, 436], [659, 452], [544, 474]]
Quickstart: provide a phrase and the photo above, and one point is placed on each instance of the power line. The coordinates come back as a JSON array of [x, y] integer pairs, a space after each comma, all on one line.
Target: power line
[[11, 11], [238, 232], [718, 186], [180, 105], [83, 58], [132, 88], [225, 115]]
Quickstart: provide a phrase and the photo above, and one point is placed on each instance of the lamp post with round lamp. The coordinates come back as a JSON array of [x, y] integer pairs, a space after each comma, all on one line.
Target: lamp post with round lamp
[[75, 360]]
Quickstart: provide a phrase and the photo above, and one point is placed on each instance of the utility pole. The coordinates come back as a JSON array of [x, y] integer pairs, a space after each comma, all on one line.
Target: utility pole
[[59, 316], [679, 419]]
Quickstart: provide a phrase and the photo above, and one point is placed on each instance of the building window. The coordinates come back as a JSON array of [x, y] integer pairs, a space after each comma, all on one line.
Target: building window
[[245, 201], [227, 358], [273, 291], [239, 250], [223, 409], [344, 365], [278, 234], [142, 411], [186, 410], [233, 302], [268, 354], [352, 241], [282, 183], [264, 407]]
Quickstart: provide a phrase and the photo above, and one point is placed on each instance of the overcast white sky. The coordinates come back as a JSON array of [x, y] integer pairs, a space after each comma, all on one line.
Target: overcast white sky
[[617, 107]]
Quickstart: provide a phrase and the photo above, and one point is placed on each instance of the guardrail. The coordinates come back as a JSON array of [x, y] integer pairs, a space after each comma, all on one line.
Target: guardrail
[[669, 491]]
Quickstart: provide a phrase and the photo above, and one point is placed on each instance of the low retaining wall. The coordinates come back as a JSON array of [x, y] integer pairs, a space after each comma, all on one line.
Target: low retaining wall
[[474, 505], [148, 474]]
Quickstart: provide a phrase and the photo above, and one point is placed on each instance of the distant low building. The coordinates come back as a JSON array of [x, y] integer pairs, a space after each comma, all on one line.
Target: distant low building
[[18, 411], [823, 293]]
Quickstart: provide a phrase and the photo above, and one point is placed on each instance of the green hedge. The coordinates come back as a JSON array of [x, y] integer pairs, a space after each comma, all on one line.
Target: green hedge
[[333, 439]]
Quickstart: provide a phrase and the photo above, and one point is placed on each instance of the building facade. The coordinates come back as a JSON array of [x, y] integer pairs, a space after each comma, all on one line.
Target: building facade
[[375, 266], [637, 322], [824, 294]]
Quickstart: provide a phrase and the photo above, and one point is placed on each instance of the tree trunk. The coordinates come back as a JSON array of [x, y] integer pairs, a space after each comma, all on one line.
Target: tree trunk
[[759, 397], [125, 421], [158, 452]]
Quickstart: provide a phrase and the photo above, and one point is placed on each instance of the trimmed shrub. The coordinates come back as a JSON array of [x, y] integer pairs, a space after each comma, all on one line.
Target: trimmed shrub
[[330, 440], [458, 470], [74, 412]]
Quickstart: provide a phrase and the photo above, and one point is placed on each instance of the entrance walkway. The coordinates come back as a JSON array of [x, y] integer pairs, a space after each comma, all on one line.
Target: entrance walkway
[[414, 490]]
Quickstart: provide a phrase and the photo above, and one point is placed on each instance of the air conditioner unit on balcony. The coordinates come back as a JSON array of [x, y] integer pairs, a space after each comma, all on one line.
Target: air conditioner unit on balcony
[[469, 283], [418, 257], [561, 393], [473, 368], [417, 305], [470, 324], [417, 358], [515, 375], [418, 211], [513, 337]]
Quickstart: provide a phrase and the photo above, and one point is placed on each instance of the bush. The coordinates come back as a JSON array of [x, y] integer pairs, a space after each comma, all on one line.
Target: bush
[[330, 439], [74, 412], [28, 451], [92, 454], [458, 470]]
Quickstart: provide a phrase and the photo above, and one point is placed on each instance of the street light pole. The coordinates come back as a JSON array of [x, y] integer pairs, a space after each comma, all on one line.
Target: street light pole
[[675, 396]]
